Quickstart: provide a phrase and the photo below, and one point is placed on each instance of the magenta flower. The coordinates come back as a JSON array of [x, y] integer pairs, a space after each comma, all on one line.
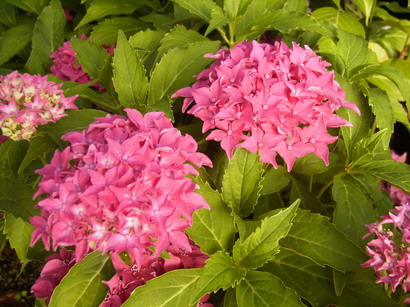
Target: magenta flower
[[121, 186], [390, 256], [269, 99], [27, 101], [66, 67], [55, 269]]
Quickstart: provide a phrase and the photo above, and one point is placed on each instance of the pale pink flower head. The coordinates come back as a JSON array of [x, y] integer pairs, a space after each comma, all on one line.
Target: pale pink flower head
[[389, 251], [66, 66], [55, 269], [121, 186], [270, 99], [27, 101]]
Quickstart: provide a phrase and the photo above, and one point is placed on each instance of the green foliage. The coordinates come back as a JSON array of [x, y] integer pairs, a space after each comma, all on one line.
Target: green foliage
[[82, 285], [18, 233], [14, 40]]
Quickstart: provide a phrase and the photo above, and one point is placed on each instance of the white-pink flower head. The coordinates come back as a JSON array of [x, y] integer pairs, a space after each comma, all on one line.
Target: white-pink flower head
[[27, 101], [66, 66], [270, 99], [121, 186]]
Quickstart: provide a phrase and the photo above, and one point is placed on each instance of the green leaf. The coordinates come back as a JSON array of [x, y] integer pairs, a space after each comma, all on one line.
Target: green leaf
[[175, 70], [263, 243], [129, 78], [313, 236], [48, 34], [15, 154], [32, 6], [307, 198], [383, 111], [312, 165], [353, 211], [7, 14], [106, 32], [90, 55], [82, 285], [339, 280], [40, 145], [275, 180], [218, 20], [352, 49], [102, 8], [18, 233], [400, 113], [367, 8], [391, 171], [306, 277], [76, 120], [14, 40], [230, 298], [220, 272], [19, 201], [146, 42], [176, 290], [202, 9], [232, 7], [213, 230], [265, 289], [241, 183]]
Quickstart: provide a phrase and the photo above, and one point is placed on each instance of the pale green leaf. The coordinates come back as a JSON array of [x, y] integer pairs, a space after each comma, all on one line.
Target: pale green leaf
[[218, 20], [202, 9], [263, 243], [213, 230], [265, 289], [220, 272], [400, 113], [83, 286], [367, 8], [18, 233], [352, 49], [176, 290]]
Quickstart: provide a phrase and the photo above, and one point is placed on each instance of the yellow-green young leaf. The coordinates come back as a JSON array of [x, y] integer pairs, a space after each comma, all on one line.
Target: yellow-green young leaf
[[353, 211], [213, 230], [102, 8], [352, 49], [218, 19], [202, 9], [90, 55], [48, 35], [265, 289], [313, 236], [220, 272], [14, 40], [241, 183], [176, 68], [263, 243], [130, 81], [367, 8], [32, 6], [106, 32], [383, 111], [18, 233], [306, 277], [275, 180], [391, 171], [82, 286], [173, 289]]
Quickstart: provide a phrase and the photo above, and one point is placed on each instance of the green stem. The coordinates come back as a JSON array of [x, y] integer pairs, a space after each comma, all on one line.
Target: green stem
[[225, 38]]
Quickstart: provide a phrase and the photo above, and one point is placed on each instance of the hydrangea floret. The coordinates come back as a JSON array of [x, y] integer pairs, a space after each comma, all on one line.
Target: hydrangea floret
[[27, 101], [270, 99], [66, 66], [121, 186], [389, 251]]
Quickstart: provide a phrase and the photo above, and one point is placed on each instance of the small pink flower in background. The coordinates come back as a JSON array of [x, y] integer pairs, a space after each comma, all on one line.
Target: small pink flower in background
[[3, 139], [390, 255], [268, 98], [55, 269], [66, 66], [27, 101], [397, 195]]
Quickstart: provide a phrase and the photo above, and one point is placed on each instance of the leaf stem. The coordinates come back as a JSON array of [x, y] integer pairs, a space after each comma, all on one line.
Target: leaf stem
[[225, 38]]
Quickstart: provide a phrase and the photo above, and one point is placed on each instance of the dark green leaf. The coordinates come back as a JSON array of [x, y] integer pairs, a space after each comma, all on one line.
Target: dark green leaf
[[275, 180], [15, 154], [7, 14], [202, 9], [14, 40], [82, 285], [307, 198], [39, 146], [32, 6]]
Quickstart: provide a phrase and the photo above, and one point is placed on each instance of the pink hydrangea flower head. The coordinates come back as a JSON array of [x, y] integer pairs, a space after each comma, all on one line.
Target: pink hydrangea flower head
[[27, 101], [121, 186], [55, 269], [397, 195], [270, 99], [66, 66], [390, 256]]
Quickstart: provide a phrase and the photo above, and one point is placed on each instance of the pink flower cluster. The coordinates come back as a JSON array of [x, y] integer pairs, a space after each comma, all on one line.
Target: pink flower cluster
[[121, 187], [66, 67], [27, 101], [397, 195], [270, 99], [390, 250], [56, 268]]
